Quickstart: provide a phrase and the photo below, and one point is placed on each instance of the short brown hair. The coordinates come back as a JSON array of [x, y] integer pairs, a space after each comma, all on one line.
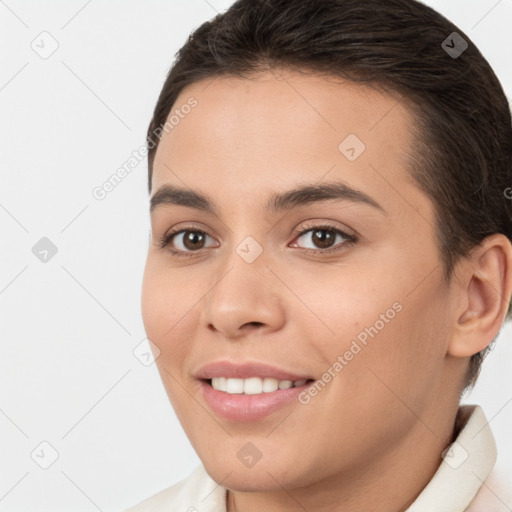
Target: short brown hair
[[463, 130]]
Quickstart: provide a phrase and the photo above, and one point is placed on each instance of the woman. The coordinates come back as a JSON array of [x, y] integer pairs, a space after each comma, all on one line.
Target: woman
[[330, 258]]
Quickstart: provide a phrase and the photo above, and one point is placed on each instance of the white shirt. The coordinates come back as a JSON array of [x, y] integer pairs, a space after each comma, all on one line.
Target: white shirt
[[464, 481]]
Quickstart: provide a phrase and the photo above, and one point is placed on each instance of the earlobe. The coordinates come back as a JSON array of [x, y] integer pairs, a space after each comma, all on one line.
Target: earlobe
[[485, 280]]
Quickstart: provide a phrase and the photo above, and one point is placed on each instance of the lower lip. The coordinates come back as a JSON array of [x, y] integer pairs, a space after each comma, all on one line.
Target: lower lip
[[242, 407]]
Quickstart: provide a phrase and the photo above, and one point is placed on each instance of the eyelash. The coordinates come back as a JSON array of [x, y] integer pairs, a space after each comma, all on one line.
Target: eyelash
[[350, 240]]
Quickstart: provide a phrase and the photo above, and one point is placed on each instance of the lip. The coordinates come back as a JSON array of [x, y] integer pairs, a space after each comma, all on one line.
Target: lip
[[246, 408], [246, 370], [242, 407]]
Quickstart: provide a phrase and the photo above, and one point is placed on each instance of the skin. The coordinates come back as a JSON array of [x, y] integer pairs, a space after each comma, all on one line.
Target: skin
[[375, 433]]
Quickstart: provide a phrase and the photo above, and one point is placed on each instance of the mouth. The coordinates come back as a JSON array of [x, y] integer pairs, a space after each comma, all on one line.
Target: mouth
[[252, 399], [254, 385], [250, 390]]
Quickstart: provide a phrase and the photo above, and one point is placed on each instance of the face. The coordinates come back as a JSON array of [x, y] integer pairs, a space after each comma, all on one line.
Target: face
[[342, 288]]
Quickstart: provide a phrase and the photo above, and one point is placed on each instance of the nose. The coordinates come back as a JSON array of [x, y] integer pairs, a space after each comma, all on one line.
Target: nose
[[245, 298]]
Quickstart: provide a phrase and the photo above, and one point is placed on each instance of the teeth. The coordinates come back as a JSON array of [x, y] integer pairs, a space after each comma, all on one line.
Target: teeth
[[253, 385], [285, 384], [270, 385], [221, 384], [235, 385]]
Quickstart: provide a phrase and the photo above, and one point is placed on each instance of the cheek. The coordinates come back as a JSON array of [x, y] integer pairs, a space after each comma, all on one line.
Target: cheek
[[341, 304], [168, 316], [371, 319], [156, 302], [403, 359], [167, 307]]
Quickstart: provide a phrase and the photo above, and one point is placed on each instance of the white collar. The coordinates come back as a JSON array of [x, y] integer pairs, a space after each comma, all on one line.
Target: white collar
[[467, 463]]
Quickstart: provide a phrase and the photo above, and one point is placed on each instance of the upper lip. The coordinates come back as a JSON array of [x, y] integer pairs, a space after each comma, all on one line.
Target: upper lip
[[245, 370]]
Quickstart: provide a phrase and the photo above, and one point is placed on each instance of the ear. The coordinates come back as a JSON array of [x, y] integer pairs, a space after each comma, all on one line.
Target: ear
[[484, 288]]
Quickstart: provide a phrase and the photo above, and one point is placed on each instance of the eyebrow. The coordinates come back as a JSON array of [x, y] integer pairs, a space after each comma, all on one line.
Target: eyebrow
[[300, 196]]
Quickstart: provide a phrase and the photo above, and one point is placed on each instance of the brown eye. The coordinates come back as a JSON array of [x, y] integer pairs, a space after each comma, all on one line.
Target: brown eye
[[185, 241], [193, 240], [324, 237]]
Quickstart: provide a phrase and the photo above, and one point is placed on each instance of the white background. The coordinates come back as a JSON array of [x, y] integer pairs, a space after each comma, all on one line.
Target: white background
[[68, 375]]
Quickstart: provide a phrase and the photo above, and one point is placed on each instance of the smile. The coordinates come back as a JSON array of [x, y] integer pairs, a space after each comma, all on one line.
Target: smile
[[253, 385]]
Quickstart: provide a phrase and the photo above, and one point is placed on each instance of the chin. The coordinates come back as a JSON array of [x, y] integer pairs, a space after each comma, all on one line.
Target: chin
[[247, 479]]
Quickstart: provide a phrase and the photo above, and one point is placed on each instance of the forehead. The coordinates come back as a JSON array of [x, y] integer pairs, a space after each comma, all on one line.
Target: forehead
[[274, 130]]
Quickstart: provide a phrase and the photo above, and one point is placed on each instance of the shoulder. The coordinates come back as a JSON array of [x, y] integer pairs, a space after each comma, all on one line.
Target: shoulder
[[495, 494], [197, 488]]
